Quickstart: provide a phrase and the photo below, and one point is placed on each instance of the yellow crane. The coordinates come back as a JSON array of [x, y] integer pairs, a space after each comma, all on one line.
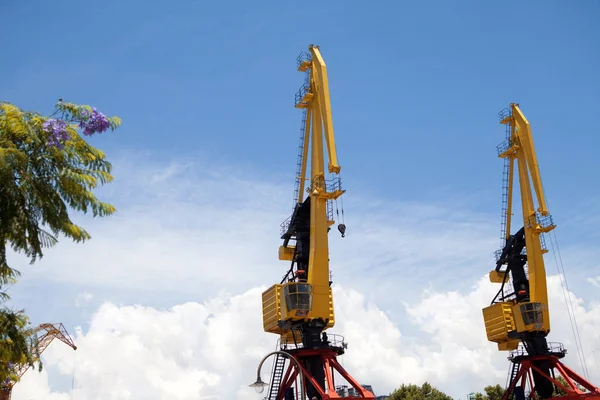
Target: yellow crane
[[300, 308], [518, 319], [303, 302], [521, 315]]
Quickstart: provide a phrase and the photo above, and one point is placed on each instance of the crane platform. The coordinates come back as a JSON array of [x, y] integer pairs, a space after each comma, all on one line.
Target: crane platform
[[316, 367]]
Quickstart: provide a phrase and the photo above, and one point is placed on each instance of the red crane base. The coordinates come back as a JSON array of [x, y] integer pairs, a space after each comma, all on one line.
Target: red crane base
[[574, 381], [328, 358]]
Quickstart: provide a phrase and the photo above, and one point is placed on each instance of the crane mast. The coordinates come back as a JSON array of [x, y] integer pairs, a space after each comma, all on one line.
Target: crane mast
[[518, 319], [300, 308]]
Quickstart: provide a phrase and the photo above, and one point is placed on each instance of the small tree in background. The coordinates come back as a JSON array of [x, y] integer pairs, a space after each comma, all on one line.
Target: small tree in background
[[559, 392], [491, 393], [494, 392], [46, 168], [415, 392]]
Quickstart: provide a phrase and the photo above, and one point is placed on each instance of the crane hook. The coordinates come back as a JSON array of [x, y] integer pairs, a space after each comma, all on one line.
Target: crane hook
[[342, 229]]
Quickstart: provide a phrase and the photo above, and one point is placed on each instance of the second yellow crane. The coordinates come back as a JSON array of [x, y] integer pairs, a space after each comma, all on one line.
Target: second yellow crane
[[518, 319]]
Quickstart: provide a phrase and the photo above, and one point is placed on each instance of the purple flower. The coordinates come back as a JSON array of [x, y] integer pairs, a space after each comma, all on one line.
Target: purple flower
[[93, 122], [57, 130]]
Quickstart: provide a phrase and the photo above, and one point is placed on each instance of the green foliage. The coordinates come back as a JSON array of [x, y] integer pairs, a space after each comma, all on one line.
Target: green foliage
[[18, 344], [560, 392], [415, 392], [494, 392], [46, 168], [491, 393], [557, 390]]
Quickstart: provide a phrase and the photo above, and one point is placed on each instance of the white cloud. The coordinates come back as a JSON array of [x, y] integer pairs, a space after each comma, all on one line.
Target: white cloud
[[190, 232], [211, 349], [197, 228], [83, 298], [595, 281], [187, 352], [205, 232]]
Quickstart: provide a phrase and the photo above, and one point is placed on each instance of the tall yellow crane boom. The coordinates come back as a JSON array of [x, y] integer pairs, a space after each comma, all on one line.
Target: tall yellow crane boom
[[534, 221], [321, 83]]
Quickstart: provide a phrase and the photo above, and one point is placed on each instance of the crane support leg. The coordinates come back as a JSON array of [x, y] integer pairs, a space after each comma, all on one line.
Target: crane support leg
[[530, 371], [317, 366]]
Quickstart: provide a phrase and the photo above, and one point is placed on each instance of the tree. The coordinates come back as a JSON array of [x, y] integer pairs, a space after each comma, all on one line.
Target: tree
[[46, 168], [414, 392], [494, 392], [18, 346], [491, 393], [558, 392]]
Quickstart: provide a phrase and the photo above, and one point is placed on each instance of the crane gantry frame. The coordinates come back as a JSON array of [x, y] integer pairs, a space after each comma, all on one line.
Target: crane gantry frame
[[519, 315]]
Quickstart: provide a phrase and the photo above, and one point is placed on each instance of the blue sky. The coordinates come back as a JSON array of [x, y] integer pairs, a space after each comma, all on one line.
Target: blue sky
[[415, 86]]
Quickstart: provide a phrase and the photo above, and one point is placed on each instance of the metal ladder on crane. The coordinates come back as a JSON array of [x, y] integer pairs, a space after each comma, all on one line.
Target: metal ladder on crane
[[300, 155], [511, 384], [276, 377]]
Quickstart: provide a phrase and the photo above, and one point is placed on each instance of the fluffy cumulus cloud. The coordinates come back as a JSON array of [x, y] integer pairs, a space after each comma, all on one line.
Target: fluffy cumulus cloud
[[210, 350], [190, 351], [203, 239]]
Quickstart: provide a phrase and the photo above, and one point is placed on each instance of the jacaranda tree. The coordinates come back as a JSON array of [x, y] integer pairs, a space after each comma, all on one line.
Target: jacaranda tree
[[46, 169]]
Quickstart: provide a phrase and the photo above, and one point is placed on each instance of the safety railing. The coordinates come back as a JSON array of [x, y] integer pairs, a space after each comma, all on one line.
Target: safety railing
[[299, 96], [498, 253], [284, 226], [504, 146], [303, 57], [544, 221], [330, 185], [554, 348], [505, 113], [333, 340]]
